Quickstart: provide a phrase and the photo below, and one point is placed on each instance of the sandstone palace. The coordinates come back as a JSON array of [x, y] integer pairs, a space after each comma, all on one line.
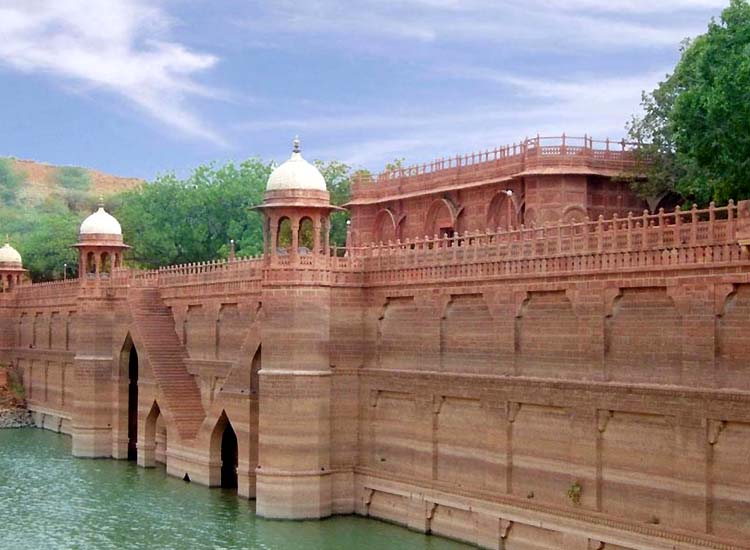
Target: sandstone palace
[[512, 350]]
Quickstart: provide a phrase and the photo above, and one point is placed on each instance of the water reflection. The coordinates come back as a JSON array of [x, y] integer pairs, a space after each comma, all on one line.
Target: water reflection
[[50, 500]]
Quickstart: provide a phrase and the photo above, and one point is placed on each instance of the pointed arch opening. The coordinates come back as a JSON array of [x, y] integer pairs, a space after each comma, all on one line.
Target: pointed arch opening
[[125, 414], [224, 446], [132, 403], [154, 443]]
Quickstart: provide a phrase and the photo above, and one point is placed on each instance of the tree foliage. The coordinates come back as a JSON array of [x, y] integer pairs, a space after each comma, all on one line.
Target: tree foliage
[[43, 234], [173, 221], [697, 121]]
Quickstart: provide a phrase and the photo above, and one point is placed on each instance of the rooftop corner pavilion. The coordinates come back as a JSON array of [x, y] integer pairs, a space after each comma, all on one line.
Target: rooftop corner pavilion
[[511, 350], [296, 207], [12, 273], [100, 245]]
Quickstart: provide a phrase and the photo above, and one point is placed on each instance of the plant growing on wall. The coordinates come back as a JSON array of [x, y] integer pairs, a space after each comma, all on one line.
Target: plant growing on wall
[[574, 492]]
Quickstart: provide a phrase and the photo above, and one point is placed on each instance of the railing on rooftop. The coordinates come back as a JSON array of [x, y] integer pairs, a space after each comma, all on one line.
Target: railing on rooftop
[[191, 273], [530, 153], [679, 237], [648, 240]]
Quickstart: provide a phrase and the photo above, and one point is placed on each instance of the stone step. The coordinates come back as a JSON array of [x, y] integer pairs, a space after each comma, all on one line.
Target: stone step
[[167, 356]]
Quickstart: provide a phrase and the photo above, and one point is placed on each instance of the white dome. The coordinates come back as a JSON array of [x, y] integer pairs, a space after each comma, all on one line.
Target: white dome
[[9, 255], [101, 223], [296, 173]]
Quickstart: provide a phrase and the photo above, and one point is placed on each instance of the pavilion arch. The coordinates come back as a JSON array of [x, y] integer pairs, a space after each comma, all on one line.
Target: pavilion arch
[[386, 226], [105, 263], [284, 234], [502, 212], [442, 218], [224, 451], [90, 262], [306, 232]]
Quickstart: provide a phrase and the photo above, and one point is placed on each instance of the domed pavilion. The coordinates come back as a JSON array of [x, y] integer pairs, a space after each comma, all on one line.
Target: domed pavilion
[[100, 244], [296, 206], [12, 272]]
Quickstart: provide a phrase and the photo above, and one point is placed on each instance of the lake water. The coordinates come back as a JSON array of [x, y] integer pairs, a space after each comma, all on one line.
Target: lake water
[[50, 500]]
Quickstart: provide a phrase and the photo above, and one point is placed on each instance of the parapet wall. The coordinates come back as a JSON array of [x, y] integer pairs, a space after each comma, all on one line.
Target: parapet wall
[[529, 156]]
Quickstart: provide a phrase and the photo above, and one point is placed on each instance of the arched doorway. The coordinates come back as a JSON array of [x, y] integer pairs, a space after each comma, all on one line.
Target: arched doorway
[[229, 458], [133, 404], [224, 447], [154, 443]]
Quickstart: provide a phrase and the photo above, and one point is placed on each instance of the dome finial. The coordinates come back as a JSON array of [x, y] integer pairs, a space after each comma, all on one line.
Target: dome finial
[[295, 145], [101, 201]]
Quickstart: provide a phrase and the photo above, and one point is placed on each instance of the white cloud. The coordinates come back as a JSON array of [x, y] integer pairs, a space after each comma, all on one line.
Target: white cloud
[[595, 105], [535, 24], [116, 46]]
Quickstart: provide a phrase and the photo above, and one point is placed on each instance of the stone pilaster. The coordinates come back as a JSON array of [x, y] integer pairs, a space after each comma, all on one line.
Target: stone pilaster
[[93, 409], [294, 475]]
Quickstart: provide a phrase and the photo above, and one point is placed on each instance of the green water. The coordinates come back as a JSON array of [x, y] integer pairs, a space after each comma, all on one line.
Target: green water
[[50, 500]]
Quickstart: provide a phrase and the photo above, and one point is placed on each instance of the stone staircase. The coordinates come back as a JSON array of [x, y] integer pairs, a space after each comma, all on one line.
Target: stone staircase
[[166, 355]]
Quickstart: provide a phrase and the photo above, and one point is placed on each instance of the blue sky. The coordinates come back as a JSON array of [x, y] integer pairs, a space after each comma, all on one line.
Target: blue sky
[[137, 88]]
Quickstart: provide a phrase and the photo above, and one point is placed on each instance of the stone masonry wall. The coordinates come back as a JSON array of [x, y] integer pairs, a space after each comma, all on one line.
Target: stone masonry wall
[[578, 386]]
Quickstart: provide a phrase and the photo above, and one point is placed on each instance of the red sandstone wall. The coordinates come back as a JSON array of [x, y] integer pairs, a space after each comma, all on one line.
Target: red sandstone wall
[[468, 384]]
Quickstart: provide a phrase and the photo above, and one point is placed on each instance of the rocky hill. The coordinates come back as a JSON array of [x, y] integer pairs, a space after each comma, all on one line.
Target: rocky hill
[[42, 180]]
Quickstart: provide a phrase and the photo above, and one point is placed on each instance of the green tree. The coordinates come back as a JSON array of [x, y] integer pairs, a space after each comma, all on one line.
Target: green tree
[[698, 119], [172, 220], [339, 183], [43, 234]]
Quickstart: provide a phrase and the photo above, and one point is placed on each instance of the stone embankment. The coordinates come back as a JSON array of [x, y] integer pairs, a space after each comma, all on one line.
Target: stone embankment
[[15, 418], [13, 413]]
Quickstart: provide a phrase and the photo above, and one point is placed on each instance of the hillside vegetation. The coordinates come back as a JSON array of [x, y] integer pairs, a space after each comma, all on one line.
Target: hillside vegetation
[[42, 205], [167, 221]]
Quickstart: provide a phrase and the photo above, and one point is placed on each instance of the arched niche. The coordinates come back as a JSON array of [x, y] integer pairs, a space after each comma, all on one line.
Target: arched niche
[[574, 214], [442, 218], [502, 212], [385, 227], [284, 235]]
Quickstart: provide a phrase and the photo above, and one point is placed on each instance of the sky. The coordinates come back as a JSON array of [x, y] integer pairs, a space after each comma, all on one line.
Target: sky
[[140, 88]]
